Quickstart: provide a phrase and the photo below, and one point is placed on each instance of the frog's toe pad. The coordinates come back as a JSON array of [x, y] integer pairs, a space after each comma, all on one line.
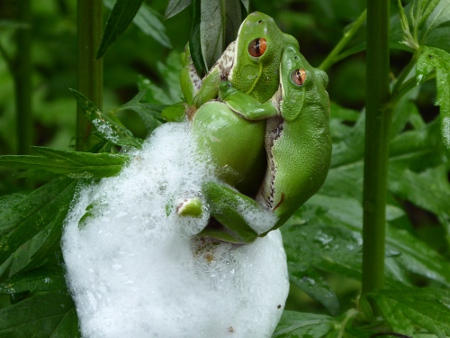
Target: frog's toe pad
[[190, 207]]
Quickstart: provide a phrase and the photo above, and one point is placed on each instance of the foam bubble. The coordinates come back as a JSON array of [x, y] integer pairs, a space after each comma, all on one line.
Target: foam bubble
[[135, 271], [261, 220]]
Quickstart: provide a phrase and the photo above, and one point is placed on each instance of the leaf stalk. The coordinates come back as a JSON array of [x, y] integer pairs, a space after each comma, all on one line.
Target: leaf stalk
[[334, 56]]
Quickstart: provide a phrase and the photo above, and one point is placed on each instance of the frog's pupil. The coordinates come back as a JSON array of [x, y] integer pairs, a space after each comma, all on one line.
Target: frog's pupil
[[299, 76], [257, 47]]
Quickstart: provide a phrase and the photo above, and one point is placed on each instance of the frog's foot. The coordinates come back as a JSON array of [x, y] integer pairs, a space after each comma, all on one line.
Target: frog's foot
[[190, 207]]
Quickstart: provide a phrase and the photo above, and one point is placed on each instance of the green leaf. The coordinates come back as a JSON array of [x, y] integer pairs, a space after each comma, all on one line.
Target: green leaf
[[405, 112], [149, 113], [417, 149], [176, 6], [422, 9], [428, 25], [37, 251], [92, 211], [313, 284], [409, 309], [329, 249], [408, 39], [412, 255], [42, 315], [438, 61], [8, 201], [168, 93], [341, 249], [343, 114], [32, 227], [246, 4], [34, 281], [170, 73], [195, 43], [73, 164], [154, 93], [296, 324], [149, 22], [434, 25], [429, 190], [233, 15], [174, 113], [125, 11], [212, 31], [107, 127], [119, 19], [327, 230], [338, 204], [351, 148]]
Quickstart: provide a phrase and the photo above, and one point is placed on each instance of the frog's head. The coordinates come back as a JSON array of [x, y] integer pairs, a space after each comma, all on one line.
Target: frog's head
[[302, 86], [259, 47]]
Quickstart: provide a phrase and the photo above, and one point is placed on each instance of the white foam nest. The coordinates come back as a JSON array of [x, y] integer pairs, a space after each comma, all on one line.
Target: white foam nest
[[135, 271]]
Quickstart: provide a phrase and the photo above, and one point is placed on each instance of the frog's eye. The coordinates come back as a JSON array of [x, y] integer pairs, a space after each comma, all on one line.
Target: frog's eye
[[298, 76], [257, 47]]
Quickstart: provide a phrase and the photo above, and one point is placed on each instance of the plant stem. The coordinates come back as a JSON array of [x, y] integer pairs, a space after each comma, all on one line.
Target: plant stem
[[378, 122], [22, 80], [333, 56], [90, 70]]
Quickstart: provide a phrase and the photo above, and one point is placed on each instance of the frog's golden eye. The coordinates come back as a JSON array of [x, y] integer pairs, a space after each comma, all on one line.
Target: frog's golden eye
[[298, 76], [257, 47]]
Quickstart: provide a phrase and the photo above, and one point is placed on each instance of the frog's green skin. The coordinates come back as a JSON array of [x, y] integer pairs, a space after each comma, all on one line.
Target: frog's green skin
[[297, 142], [236, 147], [255, 75], [234, 144]]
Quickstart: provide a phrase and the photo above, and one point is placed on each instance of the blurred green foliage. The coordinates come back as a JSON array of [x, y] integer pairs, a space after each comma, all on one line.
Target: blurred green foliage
[[318, 25], [329, 225]]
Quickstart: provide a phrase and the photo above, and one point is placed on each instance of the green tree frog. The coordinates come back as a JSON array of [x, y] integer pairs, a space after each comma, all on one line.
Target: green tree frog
[[298, 146], [250, 63]]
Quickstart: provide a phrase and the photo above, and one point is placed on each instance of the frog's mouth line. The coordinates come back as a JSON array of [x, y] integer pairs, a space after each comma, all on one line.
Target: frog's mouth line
[[256, 81]]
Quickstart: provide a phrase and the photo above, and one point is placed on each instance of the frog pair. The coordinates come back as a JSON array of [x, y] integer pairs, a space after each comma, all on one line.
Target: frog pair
[[270, 99]]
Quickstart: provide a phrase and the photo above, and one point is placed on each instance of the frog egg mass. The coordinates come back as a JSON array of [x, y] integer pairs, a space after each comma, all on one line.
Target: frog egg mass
[[135, 270]]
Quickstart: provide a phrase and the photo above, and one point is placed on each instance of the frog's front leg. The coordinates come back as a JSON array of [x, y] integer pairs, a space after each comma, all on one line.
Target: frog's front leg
[[245, 105], [241, 218], [209, 86], [196, 90]]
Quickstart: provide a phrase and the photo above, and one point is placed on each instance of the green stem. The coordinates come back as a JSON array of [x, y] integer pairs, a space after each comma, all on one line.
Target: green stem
[[378, 122], [333, 57], [348, 316], [22, 80], [90, 70]]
